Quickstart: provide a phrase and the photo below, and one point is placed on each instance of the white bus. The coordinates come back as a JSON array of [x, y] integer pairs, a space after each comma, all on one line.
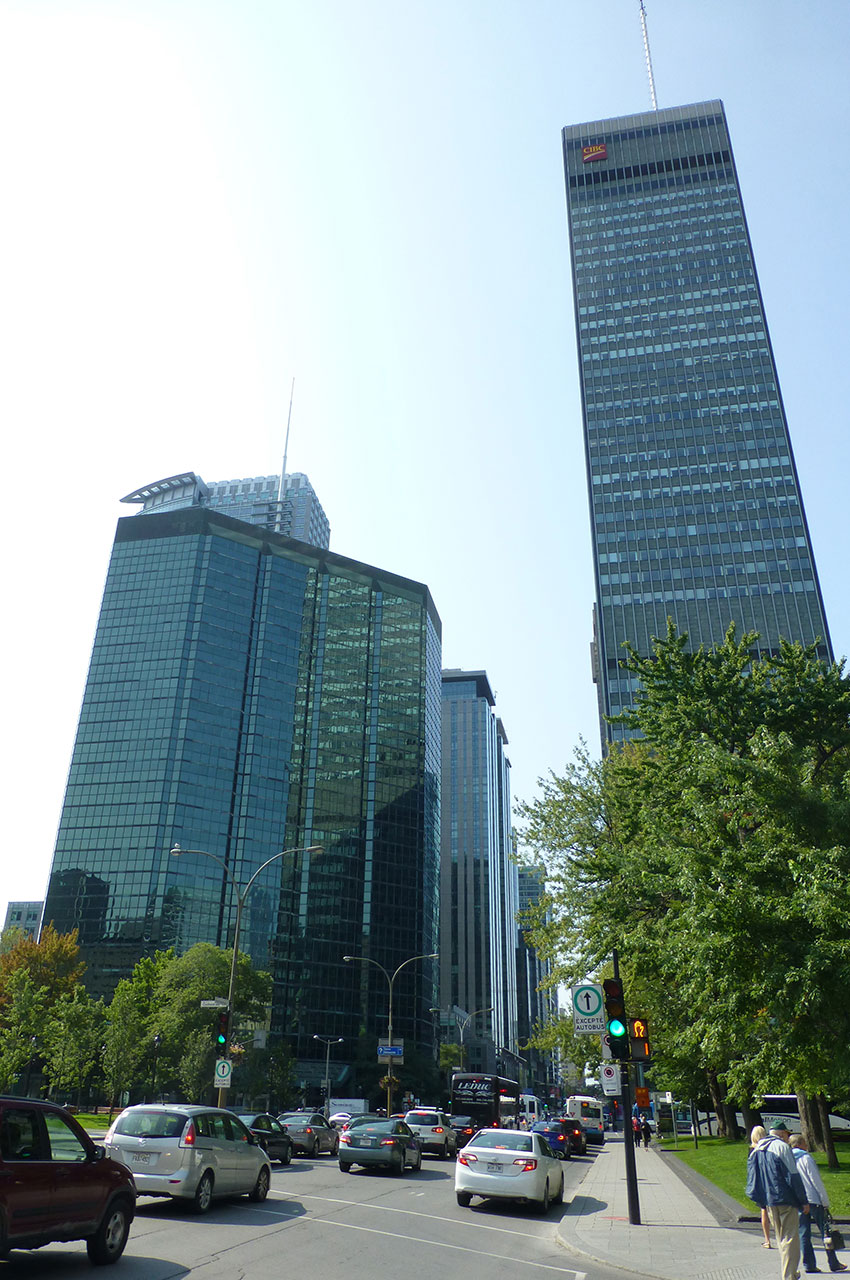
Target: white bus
[[589, 1111], [530, 1108]]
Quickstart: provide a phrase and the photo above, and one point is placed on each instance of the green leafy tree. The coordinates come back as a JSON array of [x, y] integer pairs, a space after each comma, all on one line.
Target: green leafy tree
[[53, 963], [72, 1040], [712, 854], [21, 1026]]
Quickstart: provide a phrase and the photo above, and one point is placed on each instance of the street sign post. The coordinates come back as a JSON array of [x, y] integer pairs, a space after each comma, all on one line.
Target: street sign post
[[220, 1002], [588, 1009], [393, 1052], [609, 1074], [223, 1072]]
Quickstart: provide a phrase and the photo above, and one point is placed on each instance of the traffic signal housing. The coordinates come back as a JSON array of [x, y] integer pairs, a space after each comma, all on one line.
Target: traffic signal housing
[[639, 1038], [221, 1031], [615, 1018]]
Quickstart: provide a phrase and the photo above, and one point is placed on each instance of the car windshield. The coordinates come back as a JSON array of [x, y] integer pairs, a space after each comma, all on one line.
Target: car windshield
[[462, 1122], [380, 1126], [294, 1117], [151, 1124], [499, 1140]]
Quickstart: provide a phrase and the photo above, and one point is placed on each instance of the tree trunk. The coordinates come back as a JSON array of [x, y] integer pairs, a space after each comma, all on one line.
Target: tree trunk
[[807, 1127], [751, 1117], [718, 1101], [828, 1143]]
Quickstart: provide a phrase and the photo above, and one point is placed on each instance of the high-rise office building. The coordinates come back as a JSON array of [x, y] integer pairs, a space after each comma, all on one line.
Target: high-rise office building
[[248, 695], [695, 503], [291, 508], [537, 1000], [25, 916], [479, 896]]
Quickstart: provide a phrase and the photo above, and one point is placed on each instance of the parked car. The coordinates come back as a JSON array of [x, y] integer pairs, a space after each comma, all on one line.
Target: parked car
[[270, 1134], [56, 1185], [434, 1131], [190, 1153], [310, 1132], [464, 1128], [507, 1164], [387, 1143], [557, 1135]]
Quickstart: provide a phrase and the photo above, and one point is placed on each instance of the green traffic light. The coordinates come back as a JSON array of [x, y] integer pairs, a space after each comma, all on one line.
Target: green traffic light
[[616, 1028]]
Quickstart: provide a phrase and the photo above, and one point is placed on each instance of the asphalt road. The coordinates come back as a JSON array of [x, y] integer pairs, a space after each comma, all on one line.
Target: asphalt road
[[366, 1225]]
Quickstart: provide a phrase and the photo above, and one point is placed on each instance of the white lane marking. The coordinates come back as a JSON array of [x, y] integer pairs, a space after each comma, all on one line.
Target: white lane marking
[[433, 1217], [458, 1248]]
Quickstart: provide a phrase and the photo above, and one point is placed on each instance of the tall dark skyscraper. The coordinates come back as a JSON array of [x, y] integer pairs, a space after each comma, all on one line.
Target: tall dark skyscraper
[[695, 503], [248, 694]]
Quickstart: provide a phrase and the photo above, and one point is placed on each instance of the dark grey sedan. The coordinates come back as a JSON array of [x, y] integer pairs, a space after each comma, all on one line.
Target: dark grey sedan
[[270, 1134], [389, 1144], [310, 1132]]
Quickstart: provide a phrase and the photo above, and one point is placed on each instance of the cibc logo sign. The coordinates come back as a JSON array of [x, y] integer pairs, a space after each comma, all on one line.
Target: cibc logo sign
[[594, 151]]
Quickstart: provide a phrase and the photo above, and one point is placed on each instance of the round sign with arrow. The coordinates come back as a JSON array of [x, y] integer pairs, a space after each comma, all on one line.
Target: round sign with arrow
[[588, 1009]]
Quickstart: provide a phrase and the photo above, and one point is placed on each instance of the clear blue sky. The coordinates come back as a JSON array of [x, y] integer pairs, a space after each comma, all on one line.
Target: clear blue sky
[[203, 199]]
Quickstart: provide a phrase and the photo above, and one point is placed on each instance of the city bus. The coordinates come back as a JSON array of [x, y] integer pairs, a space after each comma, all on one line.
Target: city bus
[[491, 1102], [591, 1114]]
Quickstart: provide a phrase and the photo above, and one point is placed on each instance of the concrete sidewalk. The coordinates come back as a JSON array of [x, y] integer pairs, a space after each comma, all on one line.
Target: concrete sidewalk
[[689, 1229]]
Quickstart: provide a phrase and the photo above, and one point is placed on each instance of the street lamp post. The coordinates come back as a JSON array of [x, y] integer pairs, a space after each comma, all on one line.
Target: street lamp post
[[431, 955], [327, 1041], [241, 895], [462, 1030], [157, 1041]]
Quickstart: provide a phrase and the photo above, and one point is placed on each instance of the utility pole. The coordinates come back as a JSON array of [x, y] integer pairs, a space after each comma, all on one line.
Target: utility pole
[[628, 1130]]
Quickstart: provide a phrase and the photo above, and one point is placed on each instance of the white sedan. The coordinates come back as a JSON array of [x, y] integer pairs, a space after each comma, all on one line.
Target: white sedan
[[508, 1164]]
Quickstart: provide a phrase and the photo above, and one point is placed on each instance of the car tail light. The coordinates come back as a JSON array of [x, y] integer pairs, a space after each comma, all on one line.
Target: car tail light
[[308, 1129], [466, 1157], [345, 1139], [387, 1142], [189, 1137], [562, 1137], [526, 1165], [438, 1129]]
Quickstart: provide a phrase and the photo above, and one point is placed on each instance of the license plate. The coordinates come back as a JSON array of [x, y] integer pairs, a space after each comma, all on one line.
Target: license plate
[[369, 1142], [141, 1157], [493, 1167]]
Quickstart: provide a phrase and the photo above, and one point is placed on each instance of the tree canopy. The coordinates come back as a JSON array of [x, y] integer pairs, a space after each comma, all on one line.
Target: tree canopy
[[711, 851]]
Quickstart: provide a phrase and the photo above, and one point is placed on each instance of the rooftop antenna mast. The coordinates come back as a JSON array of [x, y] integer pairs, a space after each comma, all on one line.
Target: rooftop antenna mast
[[648, 57], [283, 467]]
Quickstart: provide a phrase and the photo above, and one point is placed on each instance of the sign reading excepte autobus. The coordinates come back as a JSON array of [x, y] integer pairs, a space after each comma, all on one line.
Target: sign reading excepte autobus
[[588, 1009]]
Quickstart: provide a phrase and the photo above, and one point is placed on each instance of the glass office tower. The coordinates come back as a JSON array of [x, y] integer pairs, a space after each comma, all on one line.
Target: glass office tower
[[479, 882], [246, 695], [695, 504]]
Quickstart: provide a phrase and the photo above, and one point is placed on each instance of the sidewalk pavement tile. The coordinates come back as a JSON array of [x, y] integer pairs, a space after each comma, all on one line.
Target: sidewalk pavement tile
[[679, 1237]]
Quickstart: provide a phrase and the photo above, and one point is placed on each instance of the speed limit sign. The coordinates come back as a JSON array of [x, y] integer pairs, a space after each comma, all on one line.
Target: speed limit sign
[[223, 1072]]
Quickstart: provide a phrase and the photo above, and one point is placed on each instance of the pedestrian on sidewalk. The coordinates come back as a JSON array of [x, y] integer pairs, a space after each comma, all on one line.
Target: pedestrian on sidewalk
[[818, 1203], [756, 1136], [774, 1184], [645, 1130], [636, 1129]]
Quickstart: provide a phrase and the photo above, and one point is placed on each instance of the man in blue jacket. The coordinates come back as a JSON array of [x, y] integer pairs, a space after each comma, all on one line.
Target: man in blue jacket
[[774, 1183]]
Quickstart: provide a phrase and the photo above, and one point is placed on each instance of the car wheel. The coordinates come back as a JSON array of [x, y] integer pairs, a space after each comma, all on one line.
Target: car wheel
[[286, 1158], [202, 1199], [107, 1243], [418, 1164], [345, 1166], [314, 1150], [261, 1186], [335, 1149], [559, 1198], [464, 1199], [397, 1167], [543, 1205]]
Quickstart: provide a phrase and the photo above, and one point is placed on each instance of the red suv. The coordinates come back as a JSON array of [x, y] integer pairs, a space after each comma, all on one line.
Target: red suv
[[56, 1185]]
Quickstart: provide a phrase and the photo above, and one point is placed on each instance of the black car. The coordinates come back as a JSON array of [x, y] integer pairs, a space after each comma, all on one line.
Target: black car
[[578, 1135], [464, 1128], [270, 1134]]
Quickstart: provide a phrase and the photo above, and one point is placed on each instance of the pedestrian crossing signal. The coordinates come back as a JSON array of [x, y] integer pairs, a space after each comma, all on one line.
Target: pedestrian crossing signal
[[639, 1039]]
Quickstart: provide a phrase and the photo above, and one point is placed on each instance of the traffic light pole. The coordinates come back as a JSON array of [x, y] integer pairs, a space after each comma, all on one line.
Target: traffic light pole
[[628, 1131]]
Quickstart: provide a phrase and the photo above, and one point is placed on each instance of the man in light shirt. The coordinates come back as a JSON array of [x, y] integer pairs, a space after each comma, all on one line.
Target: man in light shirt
[[818, 1204]]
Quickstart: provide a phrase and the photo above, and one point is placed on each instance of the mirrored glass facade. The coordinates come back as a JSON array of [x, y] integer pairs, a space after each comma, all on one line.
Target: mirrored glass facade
[[695, 504], [479, 893], [246, 697]]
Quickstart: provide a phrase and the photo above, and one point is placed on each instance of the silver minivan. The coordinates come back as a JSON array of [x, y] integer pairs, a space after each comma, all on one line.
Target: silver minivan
[[191, 1153]]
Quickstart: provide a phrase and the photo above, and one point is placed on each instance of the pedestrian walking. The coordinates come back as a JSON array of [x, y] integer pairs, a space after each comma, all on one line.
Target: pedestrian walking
[[636, 1129], [818, 1206], [774, 1183], [645, 1130], [756, 1136]]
